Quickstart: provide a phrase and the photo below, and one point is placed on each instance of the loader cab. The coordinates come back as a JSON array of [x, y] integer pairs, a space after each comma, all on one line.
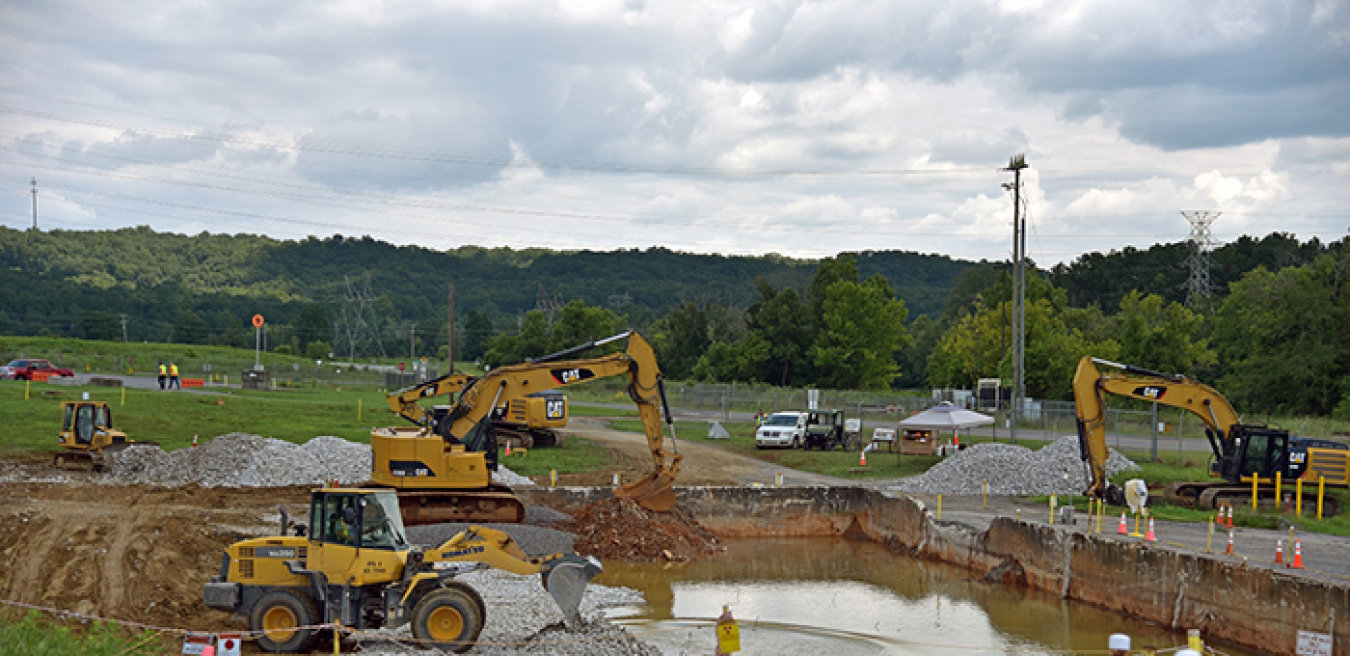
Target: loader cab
[[364, 519]]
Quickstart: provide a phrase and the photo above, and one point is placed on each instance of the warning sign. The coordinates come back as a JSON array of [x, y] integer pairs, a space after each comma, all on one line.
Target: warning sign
[[1312, 643]]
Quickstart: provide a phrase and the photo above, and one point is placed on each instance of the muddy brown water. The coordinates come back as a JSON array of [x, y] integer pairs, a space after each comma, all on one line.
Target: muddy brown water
[[830, 596]]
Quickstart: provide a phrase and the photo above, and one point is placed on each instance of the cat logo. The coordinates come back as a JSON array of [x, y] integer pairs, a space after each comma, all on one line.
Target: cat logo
[[1150, 392], [567, 376], [554, 408]]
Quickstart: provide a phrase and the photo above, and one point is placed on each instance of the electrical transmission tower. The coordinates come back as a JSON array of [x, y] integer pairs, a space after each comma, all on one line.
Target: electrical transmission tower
[[1198, 286], [550, 305], [358, 326]]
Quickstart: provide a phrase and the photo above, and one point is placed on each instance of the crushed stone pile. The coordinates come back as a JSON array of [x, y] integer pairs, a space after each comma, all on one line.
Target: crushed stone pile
[[523, 619], [620, 529], [1016, 470], [244, 460]]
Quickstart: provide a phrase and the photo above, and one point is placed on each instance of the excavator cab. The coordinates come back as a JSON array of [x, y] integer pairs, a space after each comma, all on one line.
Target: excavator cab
[[1253, 450]]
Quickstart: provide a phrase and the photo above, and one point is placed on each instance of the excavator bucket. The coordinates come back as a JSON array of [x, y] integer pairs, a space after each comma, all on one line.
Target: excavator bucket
[[653, 492], [566, 579]]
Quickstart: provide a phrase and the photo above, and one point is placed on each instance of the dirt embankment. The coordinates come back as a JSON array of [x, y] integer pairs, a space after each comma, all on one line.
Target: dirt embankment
[[132, 553]]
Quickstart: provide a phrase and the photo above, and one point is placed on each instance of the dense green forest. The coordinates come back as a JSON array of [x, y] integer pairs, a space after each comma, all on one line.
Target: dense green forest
[[1272, 335]]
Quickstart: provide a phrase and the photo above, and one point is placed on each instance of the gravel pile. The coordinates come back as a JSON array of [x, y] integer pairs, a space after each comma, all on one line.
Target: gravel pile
[[523, 619], [1015, 470], [244, 460]]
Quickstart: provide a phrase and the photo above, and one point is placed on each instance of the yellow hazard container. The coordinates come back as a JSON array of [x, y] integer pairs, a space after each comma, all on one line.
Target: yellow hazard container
[[728, 633]]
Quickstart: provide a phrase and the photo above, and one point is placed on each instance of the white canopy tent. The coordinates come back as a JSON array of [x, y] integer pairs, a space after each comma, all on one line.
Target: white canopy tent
[[946, 417]]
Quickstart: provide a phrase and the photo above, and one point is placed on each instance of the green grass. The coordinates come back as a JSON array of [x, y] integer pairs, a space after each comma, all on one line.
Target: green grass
[[35, 635], [295, 415], [841, 464], [576, 456]]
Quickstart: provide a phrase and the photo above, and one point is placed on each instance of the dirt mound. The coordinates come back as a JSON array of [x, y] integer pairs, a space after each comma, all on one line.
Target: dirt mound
[[620, 529]]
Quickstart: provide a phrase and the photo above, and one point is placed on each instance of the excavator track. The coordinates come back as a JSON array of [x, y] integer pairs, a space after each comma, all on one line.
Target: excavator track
[[496, 504], [1208, 496], [94, 460]]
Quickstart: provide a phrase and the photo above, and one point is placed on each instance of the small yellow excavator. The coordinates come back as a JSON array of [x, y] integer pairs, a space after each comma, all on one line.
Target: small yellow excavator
[[352, 565], [1241, 451], [443, 469], [88, 438]]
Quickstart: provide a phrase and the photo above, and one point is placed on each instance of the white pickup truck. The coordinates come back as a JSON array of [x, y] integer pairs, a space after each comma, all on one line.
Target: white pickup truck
[[784, 429]]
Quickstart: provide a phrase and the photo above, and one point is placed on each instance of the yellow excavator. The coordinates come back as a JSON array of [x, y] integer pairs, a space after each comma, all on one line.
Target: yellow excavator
[[352, 565], [87, 438], [1240, 451], [527, 422], [443, 469]]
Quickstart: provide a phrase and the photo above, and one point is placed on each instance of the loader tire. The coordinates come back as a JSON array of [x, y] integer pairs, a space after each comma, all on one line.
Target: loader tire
[[282, 617], [449, 618]]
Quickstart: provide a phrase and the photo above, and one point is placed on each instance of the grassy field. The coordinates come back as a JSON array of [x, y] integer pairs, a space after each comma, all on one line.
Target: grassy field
[[36, 635], [294, 415]]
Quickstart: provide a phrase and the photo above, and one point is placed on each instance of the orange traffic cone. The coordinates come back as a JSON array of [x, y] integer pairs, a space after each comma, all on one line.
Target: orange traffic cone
[[1230, 517], [1149, 537], [508, 449], [1123, 530], [194, 441], [1297, 562], [862, 458], [1279, 552], [1229, 551]]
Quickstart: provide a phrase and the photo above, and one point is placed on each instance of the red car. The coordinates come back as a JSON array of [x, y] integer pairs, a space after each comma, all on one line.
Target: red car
[[24, 370]]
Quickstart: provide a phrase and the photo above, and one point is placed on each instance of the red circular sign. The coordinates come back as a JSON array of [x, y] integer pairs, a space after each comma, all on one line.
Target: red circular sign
[[257, 321]]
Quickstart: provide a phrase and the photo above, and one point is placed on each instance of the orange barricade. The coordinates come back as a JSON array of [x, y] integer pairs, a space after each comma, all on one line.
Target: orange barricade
[[40, 376], [191, 382]]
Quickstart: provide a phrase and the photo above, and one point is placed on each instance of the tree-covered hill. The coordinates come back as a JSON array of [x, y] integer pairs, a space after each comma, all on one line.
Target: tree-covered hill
[[54, 280]]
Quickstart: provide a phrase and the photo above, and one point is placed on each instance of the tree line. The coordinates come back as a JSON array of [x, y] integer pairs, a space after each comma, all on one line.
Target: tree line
[[1272, 336]]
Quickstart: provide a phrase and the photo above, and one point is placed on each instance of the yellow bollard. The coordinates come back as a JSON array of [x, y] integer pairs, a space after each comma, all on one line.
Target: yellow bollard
[[552, 478], [1321, 490], [1254, 477], [1298, 497], [26, 385], [1052, 509], [1209, 541], [728, 633], [939, 516], [1279, 491], [124, 396], [986, 494]]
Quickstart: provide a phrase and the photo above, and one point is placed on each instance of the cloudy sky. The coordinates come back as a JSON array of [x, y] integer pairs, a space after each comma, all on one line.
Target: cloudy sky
[[801, 128]]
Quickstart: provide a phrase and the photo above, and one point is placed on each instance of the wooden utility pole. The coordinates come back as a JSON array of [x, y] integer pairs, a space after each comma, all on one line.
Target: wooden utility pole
[[1016, 164]]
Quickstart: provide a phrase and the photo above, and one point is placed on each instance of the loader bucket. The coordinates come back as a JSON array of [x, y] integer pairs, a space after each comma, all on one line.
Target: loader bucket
[[566, 579], [653, 492]]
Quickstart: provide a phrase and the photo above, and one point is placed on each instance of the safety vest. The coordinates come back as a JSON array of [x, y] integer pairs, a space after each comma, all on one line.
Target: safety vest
[[173, 370], [161, 370]]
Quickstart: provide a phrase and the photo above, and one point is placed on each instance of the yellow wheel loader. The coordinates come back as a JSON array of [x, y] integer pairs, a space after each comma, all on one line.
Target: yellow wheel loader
[[352, 565], [88, 438]]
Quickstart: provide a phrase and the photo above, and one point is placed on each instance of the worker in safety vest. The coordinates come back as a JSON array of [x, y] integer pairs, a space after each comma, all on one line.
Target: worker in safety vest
[[163, 375], [173, 376]]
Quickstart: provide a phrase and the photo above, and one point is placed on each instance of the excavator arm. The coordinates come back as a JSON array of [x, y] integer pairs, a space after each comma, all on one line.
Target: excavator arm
[[482, 395], [1090, 385], [404, 401]]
